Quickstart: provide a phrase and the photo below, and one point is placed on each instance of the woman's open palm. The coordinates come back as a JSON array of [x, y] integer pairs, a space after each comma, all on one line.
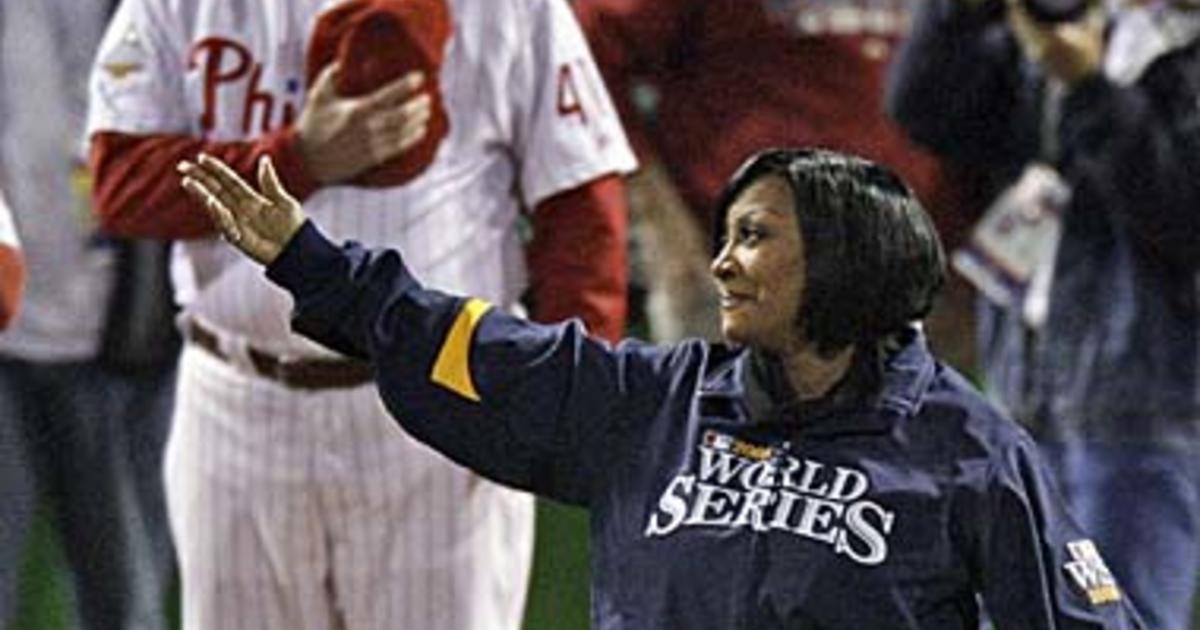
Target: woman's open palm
[[258, 223]]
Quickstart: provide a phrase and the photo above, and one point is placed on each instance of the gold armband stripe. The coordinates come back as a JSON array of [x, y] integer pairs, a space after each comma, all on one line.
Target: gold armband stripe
[[452, 369]]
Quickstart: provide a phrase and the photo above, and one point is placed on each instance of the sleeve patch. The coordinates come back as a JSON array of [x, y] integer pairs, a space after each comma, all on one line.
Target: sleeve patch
[[452, 369], [1090, 574], [126, 57]]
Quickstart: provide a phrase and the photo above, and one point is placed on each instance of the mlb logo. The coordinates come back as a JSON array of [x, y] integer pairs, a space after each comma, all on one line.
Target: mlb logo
[[718, 441]]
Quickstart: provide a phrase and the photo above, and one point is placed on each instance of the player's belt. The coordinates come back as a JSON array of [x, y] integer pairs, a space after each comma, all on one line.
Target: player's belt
[[294, 373]]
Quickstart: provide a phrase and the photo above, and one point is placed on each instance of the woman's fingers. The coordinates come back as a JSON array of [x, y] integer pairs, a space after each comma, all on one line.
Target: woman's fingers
[[212, 186], [268, 181], [217, 210], [244, 198], [202, 187], [225, 221], [216, 186], [257, 223]]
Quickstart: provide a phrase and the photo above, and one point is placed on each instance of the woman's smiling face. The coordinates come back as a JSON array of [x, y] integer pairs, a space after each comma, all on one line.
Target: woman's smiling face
[[760, 269]]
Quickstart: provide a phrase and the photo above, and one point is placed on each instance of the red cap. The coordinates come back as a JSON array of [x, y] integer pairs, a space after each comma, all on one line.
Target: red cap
[[376, 42]]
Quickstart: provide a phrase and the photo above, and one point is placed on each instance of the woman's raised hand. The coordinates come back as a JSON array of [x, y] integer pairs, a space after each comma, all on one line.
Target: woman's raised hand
[[258, 223]]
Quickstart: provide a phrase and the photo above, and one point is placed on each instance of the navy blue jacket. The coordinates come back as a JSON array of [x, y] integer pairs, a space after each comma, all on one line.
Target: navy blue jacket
[[1119, 356], [711, 506]]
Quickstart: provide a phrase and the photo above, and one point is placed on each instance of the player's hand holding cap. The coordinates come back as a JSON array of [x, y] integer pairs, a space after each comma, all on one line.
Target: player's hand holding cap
[[259, 224], [373, 43]]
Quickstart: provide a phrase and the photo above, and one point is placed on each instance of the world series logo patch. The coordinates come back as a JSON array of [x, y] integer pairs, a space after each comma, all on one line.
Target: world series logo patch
[[1090, 574], [739, 484]]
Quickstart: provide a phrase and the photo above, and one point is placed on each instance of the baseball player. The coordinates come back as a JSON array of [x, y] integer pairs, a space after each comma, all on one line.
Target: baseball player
[[295, 501], [12, 266]]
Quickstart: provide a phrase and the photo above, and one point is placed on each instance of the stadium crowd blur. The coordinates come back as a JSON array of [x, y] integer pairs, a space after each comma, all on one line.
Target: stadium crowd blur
[[1058, 159]]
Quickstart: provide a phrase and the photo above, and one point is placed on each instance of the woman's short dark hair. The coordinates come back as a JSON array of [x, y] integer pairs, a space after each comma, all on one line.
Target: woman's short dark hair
[[873, 258]]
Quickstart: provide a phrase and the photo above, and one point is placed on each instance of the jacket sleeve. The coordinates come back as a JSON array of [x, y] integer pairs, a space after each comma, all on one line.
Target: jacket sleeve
[[531, 406], [1138, 147], [957, 86], [1035, 568], [136, 192]]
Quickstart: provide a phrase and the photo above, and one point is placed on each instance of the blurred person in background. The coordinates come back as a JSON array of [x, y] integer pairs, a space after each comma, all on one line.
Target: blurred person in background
[[1090, 129], [701, 84], [87, 368]]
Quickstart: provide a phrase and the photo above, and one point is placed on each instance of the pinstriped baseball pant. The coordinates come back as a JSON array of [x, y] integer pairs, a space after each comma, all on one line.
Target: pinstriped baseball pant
[[313, 510]]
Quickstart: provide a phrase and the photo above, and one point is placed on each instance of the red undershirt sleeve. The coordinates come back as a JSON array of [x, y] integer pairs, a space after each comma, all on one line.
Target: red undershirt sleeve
[[577, 259], [137, 191], [12, 283]]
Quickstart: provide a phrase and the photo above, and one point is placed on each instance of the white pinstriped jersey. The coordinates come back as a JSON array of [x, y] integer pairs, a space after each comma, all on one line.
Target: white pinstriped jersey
[[529, 118]]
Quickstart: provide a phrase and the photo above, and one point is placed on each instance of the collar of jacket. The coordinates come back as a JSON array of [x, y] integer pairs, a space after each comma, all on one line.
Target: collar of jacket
[[755, 383]]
